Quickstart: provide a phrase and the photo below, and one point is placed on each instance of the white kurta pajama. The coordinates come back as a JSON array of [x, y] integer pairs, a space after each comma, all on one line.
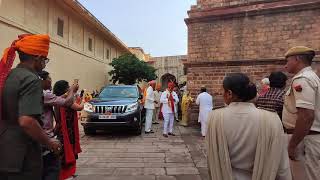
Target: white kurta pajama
[[204, 100], [149, 106], [246, 143], [168, 114]]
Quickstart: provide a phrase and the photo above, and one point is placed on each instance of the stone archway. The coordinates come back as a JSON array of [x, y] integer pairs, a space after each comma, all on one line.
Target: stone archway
[[166, 78]]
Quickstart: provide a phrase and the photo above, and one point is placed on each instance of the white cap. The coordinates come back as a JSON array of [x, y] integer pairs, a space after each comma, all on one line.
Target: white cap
[[265, 81]]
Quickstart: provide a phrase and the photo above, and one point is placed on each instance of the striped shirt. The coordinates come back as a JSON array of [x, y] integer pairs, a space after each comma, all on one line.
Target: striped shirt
[[272, 100]]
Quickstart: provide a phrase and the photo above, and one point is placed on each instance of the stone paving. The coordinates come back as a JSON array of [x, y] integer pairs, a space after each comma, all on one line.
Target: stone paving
[[124, 156]]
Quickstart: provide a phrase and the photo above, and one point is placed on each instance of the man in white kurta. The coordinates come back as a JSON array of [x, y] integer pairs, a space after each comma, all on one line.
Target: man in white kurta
[[169, 100], [204, 100], [149, 106]]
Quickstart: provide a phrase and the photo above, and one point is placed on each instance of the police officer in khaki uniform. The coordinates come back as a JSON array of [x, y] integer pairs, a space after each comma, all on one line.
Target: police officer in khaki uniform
[[301, 112], [20, 132]]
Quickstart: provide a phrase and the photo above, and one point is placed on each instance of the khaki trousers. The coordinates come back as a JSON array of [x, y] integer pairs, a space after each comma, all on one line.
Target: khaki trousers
[[308, 154], [156, 114]]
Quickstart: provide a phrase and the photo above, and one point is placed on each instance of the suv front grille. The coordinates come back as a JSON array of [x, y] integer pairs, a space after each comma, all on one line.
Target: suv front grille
[[111, 109]]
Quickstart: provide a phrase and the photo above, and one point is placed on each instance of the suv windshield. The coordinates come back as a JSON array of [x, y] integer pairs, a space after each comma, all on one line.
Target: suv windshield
[[119, 92]]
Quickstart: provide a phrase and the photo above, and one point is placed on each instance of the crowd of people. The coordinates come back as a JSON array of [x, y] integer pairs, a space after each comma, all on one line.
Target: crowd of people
[[173, 104], [253, 137], [259, 132], [258, 138], [39, 133]]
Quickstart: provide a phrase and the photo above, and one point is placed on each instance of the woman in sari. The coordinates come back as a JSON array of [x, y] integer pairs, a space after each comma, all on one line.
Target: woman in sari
[[186, 101], [67, 131]]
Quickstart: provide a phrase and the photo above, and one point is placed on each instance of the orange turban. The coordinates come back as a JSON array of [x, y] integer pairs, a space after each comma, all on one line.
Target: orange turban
[[37, 45]]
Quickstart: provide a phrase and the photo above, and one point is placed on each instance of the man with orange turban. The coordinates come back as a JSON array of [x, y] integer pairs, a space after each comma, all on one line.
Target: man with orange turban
[[21, 108], [169, 99]]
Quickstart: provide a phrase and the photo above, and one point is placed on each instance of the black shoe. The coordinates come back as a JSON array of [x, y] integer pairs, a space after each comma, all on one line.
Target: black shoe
[[171, 134], [155, 123], [149, 132], [165, 135]]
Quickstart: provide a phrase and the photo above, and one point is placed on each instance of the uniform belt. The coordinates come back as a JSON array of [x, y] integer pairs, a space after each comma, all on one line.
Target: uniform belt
[[290, 131]]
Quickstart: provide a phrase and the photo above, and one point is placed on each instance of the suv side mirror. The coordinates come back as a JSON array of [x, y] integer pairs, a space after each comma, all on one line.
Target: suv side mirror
[[140, 96]]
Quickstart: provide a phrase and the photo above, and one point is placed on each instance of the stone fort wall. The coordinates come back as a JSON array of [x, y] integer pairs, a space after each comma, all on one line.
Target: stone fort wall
[[205, 4], [249, 36]]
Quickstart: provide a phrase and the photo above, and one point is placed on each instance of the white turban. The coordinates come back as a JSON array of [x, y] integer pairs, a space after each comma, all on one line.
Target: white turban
[[265, 81]]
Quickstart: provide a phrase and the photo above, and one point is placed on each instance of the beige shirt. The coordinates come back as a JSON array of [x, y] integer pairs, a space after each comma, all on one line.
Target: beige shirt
[[157, 95], [307, 97]]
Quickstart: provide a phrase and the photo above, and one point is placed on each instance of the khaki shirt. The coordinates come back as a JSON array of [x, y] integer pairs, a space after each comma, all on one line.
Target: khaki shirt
[[307, 97]]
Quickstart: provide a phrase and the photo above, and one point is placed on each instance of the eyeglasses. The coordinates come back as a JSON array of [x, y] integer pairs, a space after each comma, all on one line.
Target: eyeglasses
[[45, 60]]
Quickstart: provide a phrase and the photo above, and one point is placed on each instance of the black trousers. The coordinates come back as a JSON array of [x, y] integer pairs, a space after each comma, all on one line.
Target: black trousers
[[51, 167], [31, 168]]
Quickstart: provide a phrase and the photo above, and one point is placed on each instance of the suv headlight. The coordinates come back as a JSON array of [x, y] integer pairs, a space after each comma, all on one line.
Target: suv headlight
[[88, 107], [132, 107]]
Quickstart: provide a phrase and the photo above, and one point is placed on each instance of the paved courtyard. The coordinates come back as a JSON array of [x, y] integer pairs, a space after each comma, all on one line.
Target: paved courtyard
[[123, 156]]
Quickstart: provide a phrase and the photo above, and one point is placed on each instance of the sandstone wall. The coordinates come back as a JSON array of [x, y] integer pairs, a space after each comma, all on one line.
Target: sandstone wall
[[245, 36], [253, 37], [205, 4], [70, 55]]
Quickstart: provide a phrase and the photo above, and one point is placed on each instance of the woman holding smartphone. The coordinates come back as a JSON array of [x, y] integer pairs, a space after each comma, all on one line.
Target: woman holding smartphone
[[67, 131]]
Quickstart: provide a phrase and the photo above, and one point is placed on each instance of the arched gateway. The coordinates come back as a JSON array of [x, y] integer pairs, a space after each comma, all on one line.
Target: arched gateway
[[166, 78]]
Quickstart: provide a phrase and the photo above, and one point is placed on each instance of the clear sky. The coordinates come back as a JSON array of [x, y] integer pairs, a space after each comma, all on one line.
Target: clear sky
[[155, 25]]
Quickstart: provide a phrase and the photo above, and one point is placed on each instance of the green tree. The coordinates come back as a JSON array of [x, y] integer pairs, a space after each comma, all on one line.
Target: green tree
[[128, 69]]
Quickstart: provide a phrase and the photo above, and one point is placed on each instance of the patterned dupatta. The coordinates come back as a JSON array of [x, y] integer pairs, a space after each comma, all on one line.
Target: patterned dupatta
[[171, 101]]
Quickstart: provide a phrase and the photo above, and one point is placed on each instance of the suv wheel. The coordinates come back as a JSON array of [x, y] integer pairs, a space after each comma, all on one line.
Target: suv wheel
[[139, 128], [89, 131], [138, 132]]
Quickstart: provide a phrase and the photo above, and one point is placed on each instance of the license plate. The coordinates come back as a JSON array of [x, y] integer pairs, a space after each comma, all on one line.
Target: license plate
[[107, 117]]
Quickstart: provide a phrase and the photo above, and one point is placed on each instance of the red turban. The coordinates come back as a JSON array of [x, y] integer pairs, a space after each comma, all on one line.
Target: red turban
[[170, 85]]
